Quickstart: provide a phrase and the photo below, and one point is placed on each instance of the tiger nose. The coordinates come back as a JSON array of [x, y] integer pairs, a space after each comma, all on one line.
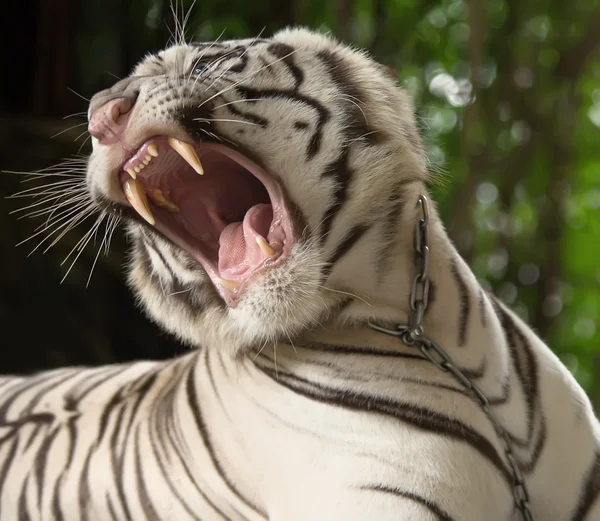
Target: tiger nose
[[108, 121]]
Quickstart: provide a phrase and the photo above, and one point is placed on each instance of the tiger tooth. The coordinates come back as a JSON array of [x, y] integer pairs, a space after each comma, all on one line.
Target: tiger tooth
[[132, 173], [148, 158], [266, 248], [137, 169], [188, 153], [228, 284], [153, 150], [158, 196], [136, 195], [142, 166], [162, 200]]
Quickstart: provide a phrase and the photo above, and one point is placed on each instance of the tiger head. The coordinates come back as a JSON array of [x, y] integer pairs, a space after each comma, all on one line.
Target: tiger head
[[263, 182]]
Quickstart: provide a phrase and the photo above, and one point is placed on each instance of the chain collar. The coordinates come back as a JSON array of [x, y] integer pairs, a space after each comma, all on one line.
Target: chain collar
[[412, 335]]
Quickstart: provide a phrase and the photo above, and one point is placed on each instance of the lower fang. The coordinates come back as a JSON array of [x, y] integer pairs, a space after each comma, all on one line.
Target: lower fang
[[266, 248], [228, 284]]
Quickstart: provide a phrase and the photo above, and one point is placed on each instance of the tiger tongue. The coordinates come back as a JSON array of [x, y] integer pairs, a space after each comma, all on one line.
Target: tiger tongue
[[242, 245]]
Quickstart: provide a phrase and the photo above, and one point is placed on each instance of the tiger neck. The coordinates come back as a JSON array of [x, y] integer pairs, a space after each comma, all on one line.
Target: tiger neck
[[460, 317]]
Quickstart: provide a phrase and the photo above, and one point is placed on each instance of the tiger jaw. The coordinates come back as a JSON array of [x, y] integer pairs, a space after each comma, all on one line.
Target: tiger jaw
[[232, 220]]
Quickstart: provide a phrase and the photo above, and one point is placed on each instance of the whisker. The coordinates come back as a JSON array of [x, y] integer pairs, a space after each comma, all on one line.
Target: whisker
[[84, 142], [238, 101], [211, 120], [71, 223], [81, 135], [95, 227], [76, 114], [29, 192], [345, 293], [77, 94], [226, 89], [67, 129], [103, 243]]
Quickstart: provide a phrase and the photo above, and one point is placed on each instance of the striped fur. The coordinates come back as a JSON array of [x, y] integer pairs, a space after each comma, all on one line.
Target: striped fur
[[289, 408]]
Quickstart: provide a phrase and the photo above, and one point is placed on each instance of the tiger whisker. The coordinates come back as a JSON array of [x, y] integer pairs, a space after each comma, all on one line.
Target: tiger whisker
[[82, 240], [95, 227], [211, 120], [29, 191], [54, 207], [229, 68], [81, 135], [116, 221], [103, 243], [237, 101], [78, 203], [80, 114], [77, 94], [226, 89], [260, 350], [75, 220], [353, 295], [179, 292], [50, 234], [51, 196], [356, 105], [202, 56], [68, 129], [84, 142]]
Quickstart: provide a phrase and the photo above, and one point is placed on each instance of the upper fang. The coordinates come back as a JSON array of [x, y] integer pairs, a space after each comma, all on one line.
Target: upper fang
[[187, 152]]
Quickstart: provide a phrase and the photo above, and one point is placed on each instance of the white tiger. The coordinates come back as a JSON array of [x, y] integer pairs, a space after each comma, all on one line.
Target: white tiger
[[272, 264]]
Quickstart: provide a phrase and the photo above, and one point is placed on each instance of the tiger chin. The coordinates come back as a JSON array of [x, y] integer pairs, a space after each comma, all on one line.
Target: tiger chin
[[347, 363]]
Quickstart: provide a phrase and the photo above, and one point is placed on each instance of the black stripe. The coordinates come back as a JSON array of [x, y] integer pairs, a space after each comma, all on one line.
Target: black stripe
[[247, 116], [40, 462], [361, 350], [340, 171], [56, 507], [145, 382], [22, 503], [441, 514], [344, 246], [323, 115], [395, 206], [164, 412], [524, 360], [144, 497], [285, 54], [111, 508], [590, 492], [482, 310], [194, 404], [355, 100], [148, 242], [463, 292], [419, 417], [83, 492]]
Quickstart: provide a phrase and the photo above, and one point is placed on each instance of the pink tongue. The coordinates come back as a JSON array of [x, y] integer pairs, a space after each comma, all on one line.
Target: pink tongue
[[239, 253]]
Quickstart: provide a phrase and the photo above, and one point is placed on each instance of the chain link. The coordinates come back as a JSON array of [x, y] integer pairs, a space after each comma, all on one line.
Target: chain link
[[412, 335]]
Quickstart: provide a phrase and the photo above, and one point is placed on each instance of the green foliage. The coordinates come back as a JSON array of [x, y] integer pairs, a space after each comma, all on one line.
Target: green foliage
[[509, 104], [508, 98]]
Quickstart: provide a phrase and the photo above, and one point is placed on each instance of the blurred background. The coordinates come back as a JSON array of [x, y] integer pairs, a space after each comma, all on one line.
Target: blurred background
[[508, 97]]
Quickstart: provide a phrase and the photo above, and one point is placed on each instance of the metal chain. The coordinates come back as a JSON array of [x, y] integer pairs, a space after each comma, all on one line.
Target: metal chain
[[412, 335]]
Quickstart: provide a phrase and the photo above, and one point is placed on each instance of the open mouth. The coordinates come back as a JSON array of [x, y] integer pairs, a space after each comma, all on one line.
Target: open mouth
[[213, 202]]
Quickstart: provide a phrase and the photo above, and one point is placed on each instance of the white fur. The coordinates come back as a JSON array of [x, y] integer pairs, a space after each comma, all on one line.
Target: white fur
[[292, 457]]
